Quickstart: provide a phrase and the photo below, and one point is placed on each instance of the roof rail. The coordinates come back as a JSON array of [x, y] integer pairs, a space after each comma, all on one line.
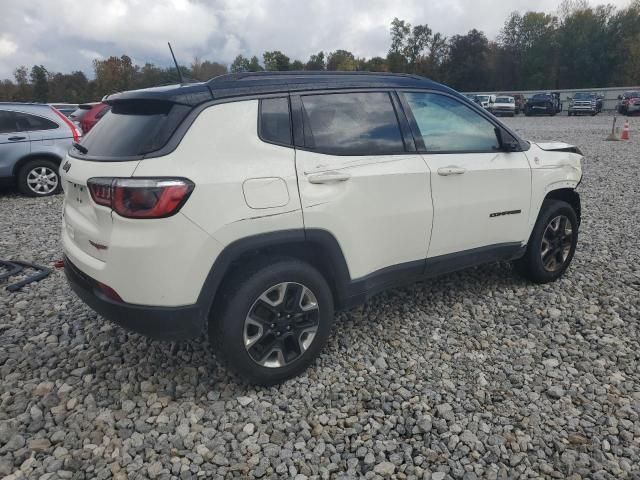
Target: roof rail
[[319, 73]]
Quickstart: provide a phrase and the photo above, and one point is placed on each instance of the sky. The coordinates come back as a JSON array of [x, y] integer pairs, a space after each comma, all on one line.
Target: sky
[[66, 35]]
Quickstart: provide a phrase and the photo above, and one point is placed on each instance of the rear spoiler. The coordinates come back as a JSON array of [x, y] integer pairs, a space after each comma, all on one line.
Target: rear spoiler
[[190, 95]]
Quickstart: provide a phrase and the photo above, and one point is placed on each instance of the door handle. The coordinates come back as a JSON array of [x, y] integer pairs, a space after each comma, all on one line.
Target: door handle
[[15, 139], [451, 170], [329, 177]]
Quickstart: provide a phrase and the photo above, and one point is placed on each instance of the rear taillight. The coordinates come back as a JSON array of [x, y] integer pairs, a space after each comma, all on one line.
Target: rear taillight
[[74, 130], [141, 197]]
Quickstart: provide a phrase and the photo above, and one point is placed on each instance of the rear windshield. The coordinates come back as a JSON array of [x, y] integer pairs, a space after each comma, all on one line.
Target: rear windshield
[[132, 129]]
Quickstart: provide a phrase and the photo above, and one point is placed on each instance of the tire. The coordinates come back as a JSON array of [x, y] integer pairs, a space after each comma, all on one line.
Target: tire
[[278, 347], [532, 266], [39, 178]]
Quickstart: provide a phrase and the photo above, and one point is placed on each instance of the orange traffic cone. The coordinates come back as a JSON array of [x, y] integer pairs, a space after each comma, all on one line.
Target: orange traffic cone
[[625, 131]]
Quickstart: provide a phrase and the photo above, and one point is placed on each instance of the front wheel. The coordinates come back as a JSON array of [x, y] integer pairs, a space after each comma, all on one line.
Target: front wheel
[[552, 243], [273, 321]]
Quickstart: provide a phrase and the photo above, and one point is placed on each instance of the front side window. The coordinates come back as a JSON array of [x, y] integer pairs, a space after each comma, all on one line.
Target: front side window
[[351, 124], [275, 124], [447, 125], [32, 123], [7, 122]]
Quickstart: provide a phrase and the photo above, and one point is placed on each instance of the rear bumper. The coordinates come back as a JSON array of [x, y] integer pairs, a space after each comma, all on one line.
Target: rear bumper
[[162, 323]]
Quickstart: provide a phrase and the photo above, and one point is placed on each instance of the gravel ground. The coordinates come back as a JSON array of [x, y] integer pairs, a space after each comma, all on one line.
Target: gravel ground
[[474, 375]]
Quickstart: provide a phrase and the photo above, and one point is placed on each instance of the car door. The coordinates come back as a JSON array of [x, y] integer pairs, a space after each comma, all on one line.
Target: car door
[[481, 193], [360, 182], [14, 144]]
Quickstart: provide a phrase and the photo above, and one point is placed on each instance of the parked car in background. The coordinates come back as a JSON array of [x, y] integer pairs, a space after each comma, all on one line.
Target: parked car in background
[[504, 105], [256, 204], [34, 138], [65, 108], [629, 102], [487, 101], [584, 103], [519, 100], [473, 98], [88, 120], [543, 104], [80, 111]]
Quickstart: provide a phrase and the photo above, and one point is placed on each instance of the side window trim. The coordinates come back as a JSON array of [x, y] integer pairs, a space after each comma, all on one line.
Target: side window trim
[[405, 127], [272, 142], [416, 131], [300, 132]]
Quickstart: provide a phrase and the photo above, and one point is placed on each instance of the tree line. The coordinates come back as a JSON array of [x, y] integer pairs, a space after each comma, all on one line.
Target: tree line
[[577, 47]]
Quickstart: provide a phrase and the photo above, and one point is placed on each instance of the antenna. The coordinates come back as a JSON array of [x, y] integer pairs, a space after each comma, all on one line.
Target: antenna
[[175, 61]]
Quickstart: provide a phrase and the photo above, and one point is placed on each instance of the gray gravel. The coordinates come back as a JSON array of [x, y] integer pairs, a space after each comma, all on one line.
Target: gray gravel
[[474, 375]]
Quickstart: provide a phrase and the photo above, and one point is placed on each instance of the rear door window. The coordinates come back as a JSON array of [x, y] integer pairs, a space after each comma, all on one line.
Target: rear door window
[[351, 124], [447, 125], [133, 128], [33, 123], [275, 123]]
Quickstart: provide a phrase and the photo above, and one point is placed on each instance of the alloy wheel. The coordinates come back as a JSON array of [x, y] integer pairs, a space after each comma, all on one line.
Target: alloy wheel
[[42, 180], [281, 325], [556, 243]]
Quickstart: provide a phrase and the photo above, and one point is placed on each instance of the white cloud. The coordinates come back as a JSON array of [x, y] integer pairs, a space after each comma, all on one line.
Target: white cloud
[[7, 46], [66, 35]]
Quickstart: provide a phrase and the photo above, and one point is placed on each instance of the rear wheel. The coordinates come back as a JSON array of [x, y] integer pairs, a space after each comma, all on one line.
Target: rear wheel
[[39, 178], [273, 322], [552, 243]]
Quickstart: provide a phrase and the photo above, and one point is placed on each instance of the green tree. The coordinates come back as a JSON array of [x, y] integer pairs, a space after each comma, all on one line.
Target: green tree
[[297, 65], [276, 61], [467, 66], [240, 64], [341, 60], [316, 62], [206, 70], [254, 65], [40, 83], [115, 74], [22, 92], [407, 44]]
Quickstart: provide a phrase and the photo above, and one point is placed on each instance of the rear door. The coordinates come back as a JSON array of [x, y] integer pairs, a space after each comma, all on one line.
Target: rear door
[[481, 194], [359, 181], [14, 144]]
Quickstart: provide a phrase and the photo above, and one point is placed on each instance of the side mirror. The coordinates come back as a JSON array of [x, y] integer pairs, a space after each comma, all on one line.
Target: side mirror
[[569, 98], [619, 97], [506, 142]]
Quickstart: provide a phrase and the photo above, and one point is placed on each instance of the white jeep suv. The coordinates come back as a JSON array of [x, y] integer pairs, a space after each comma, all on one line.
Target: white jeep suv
[[256, 205]]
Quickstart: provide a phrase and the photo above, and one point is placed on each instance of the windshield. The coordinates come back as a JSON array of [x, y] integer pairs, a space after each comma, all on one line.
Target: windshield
[[483, 98], [583, 96], [504, 100]]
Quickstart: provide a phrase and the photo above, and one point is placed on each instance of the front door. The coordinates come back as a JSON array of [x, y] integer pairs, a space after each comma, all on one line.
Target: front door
[[481, 194]]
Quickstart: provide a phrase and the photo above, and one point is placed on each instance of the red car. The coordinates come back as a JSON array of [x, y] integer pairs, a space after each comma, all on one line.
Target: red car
[[93, 116], [88, 114]]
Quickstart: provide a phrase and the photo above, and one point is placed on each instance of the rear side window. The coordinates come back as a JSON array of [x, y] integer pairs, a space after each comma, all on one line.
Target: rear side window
[[447, 125], [7, 122], [32, 123], [351, 124], [133, 128], [275, 124]]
